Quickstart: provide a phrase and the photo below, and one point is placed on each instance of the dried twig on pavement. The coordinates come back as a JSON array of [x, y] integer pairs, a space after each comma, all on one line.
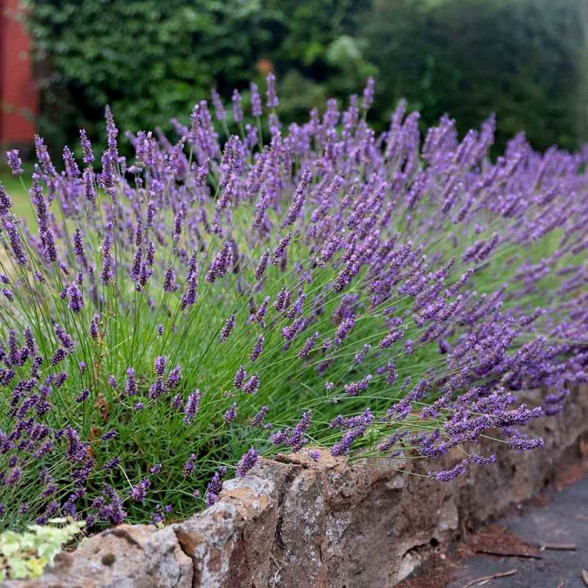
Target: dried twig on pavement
[[485, 579]]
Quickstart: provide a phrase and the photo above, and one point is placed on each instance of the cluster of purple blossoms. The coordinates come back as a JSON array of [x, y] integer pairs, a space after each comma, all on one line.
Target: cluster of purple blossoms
[[406, 289]]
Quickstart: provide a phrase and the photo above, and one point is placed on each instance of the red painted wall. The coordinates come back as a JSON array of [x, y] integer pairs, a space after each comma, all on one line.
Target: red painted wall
[[18, 92]]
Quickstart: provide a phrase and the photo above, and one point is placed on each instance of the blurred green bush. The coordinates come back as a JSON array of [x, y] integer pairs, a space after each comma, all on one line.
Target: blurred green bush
[[523, 59], [152, 60]]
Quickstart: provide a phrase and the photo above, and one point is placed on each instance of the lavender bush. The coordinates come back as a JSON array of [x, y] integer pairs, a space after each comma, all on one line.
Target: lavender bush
[[249, 289]]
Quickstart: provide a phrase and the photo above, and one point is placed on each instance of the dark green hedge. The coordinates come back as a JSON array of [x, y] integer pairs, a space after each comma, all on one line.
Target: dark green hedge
[[153, 59], [523, 59]]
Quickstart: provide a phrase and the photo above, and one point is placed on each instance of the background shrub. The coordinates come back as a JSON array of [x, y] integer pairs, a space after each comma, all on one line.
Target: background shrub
[[524, 60], [150, 60]]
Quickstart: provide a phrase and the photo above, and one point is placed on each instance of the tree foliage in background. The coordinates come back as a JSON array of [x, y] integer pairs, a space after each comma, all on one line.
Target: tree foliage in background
[[152, 60], [523, 59]]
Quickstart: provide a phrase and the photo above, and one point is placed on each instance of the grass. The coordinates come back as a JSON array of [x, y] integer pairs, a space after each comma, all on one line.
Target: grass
[[17, 189]]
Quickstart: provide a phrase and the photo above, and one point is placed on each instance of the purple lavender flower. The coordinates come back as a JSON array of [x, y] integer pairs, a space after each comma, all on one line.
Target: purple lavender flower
[[355, 388], [218, 106], [84, 394], [308, 345], [112, 463], [138, 492], [237, 110], [257, 349], [344, 329], [159, 365], [524, 444], [174, 377], [169, 282], [252, 385], [227, 329], [256, 108], [299, 198], [75, 299], [131, 383], [192, 406], [109, 435], [14, 162], [78, 244], [272, 96], [247, 462], [259, 417], [5, 204], [88, 156], [240, 376], [260, 271], [280, 250], [231, 414], [12, 231], [448, 475], [215, 486], [189, 466]]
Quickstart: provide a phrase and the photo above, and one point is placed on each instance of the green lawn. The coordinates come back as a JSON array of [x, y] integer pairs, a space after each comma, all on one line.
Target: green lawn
[[17, 191]]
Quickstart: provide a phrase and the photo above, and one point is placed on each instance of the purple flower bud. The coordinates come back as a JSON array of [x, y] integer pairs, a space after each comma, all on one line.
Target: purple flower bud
[[83, 396], [88, 156], [448, 475], [237, 110], [256, 108], [263, 261], [78, 243], [14, 162], [308, 345], [109, 435], [215, 486], [257, 349], [240, 376], [137, 493], [189, 466], [258, 418], [5, 203], [75, 299], [131, 384], [247, 462], [227, 329], [344, 329], [159, 365], [218, 106], [231, 414], [299, 198], [174, 377], [252, 385], [169, 281], [192, 406], [272, 96], [280, 250], [368, 94]]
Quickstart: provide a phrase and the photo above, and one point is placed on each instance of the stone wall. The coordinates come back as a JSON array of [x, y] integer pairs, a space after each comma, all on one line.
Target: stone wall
[[294, 522]]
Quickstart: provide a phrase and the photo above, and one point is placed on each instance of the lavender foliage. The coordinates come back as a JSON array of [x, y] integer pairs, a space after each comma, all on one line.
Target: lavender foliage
[[368, 292]]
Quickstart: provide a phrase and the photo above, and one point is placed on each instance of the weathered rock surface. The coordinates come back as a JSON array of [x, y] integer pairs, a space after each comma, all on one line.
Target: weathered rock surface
[[294, 522]]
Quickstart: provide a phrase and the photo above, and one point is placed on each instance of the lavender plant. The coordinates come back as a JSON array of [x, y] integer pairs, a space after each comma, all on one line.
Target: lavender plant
[[244, 290]]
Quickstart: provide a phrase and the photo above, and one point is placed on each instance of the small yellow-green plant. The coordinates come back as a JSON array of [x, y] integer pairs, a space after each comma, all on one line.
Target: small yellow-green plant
[[25, 555]]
